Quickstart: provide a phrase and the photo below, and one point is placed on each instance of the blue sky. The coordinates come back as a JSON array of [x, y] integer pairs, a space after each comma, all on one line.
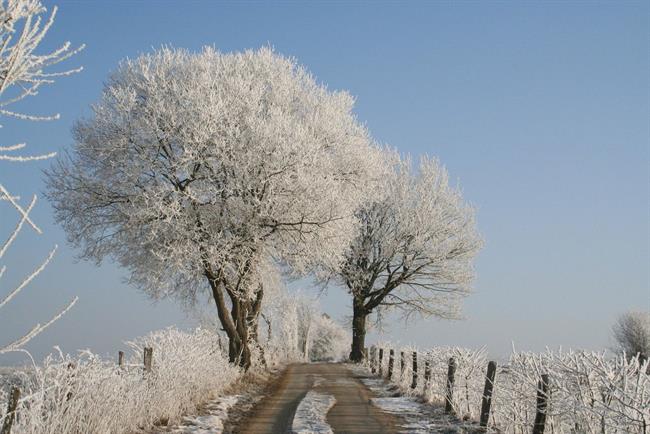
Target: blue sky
[[539, 110]]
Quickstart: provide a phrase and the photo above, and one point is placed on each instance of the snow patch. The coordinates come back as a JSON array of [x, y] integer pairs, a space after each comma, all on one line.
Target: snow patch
[[418, 417], [311, 413], [377, 386], [398, 405], [211, 422]]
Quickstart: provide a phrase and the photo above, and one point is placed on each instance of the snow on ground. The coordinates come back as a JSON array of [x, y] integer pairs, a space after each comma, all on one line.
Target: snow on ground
[[311, 413], [418, 417], [211, 421]]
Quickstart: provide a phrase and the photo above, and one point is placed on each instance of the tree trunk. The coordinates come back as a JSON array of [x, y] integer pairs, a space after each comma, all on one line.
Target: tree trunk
[[236, 322], [239, 353], [358, 331], [253, 319]]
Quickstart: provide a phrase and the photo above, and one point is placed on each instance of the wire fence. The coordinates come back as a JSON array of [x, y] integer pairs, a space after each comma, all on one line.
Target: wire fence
[[552, 392]]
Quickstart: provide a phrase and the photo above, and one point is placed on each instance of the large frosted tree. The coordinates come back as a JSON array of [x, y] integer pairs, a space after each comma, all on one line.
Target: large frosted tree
[[413, 250], [201, 170]]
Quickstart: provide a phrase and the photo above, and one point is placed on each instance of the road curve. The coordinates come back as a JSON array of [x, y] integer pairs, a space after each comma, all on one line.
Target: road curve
[[352, 413]]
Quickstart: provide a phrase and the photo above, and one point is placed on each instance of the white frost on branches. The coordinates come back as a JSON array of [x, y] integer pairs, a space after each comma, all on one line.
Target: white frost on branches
[[90, 394], [202, 156], [416, 244], [413, 250], [293, 327], [632, 334], [589, 392], [205, 167], [22, 73], [22, 29]]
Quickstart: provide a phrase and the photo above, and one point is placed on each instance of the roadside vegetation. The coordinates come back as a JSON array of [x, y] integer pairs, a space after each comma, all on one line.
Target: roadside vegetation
[[219, 176], [88, 393], [587, 392]]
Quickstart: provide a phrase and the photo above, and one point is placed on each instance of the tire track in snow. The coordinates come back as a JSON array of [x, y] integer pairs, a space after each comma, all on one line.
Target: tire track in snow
[[319, 398], [310, 416]]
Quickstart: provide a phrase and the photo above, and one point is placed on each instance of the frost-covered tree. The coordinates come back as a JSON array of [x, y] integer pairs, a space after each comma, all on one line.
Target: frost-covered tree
[[197, 170], [413, 250], [22, 72], [307, 312], [329, 339], [297, 329], [632, 334]]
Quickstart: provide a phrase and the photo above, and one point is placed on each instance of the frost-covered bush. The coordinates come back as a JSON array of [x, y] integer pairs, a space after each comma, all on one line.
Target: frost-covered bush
[[88, 394], [329, 340], [469, 375], [297, 329], [632, 334], [589, 392], [469, 378]]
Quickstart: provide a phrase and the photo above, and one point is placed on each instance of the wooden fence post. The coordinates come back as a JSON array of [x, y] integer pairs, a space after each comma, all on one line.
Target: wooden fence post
[[451, 373], [120, 359], [414, 383], [11, 410], [542, 405], [391, 357], [148, 358], [373, 354], [381, 360], [402, 364], [486, 401], [365, 354]]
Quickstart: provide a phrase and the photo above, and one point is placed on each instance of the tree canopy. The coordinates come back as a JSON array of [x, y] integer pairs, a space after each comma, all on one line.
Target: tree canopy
[[414, 247], [210, 165]]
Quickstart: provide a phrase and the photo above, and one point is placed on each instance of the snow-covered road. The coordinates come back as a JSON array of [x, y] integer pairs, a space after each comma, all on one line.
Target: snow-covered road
[[319, 398], [327, 398]]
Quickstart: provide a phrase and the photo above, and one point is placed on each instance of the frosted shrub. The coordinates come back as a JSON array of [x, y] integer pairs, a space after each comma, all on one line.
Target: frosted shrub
[[88, 394], [469, 378], [294, 328], [330, 341], [469, 381], [589, 392], [404, 374]]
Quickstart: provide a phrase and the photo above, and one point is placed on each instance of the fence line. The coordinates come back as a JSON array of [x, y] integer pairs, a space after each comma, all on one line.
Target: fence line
[[536, 393], [14, 398]]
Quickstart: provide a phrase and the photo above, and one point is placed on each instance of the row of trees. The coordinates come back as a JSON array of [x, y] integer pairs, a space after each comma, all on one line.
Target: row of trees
[[293, 327], [212, 171], [207, 170]]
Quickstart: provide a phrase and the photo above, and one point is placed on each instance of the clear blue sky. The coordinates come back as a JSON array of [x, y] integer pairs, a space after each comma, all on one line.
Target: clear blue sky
[[540, 110]]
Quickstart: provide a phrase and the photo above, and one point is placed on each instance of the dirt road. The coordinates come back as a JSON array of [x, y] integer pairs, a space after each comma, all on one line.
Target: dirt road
[[352, 411]]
